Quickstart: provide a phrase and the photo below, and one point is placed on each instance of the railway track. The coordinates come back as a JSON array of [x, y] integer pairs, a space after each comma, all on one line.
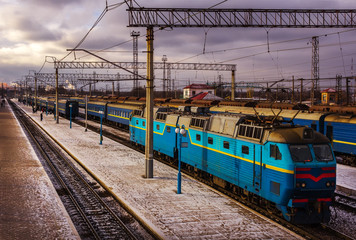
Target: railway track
[[345, 202], [83, 197], [321, 231]]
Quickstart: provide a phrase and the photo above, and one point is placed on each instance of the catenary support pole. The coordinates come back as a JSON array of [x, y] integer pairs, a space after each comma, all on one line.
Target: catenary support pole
[[149, 106], [57, 116], [233, 85]]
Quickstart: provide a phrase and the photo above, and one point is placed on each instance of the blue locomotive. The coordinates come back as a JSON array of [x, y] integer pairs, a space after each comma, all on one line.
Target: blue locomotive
[[339, 128], [289, 169]]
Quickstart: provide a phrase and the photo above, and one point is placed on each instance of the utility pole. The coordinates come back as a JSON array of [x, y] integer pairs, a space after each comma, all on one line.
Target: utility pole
[[347, 92], [149, 105], [301, 90], [339, 89], [233, 85], [113, 89], [292, 89], [57, 116]]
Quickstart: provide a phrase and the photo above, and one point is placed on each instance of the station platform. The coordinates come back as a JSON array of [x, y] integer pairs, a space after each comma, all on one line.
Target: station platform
[[29, 205], [199, 212]]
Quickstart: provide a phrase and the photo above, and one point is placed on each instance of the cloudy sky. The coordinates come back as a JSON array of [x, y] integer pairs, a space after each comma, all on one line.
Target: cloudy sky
[[33, 31]]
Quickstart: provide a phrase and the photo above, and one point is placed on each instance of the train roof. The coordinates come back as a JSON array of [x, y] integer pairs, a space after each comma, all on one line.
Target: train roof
[[102, 103], [126, 106], [296, 135], [341, 118]]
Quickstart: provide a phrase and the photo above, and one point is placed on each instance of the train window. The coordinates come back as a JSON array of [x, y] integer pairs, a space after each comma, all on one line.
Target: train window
[[210, 140], [245, 149], [274, 152], [249, 131], [313, 126], [226, 144], [323, 152], [157, 126], [143, 123], [168, 129], [242, 130], [198, 137], [257, 133], [136, 122], [300, 153]]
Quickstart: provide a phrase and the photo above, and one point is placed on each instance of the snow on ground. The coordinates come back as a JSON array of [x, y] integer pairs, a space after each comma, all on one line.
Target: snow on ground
[[30, 206], [199, 212], [346, 179]]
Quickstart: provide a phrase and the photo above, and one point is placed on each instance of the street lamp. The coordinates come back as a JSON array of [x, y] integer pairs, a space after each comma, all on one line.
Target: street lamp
[[101, 126], [180, 132], [55, 110], [70, 115]]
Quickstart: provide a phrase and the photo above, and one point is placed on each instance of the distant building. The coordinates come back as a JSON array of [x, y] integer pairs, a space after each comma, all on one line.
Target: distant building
[[194, 89], [328, 96]]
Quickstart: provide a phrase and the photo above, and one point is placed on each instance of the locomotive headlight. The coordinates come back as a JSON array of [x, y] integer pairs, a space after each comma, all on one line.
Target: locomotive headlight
[[303, 185], [328, 184], [297, 185], [332, 183]]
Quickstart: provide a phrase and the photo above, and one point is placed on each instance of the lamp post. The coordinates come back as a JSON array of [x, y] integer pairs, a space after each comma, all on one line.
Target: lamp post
[[101, 126], [70, 115], [55, 110], [180, 132]]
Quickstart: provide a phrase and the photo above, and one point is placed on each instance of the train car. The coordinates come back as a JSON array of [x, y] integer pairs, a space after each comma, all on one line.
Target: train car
[[79, 100], [95, 107], [64, 108], [119, 113], [341, 130], [291, 169]]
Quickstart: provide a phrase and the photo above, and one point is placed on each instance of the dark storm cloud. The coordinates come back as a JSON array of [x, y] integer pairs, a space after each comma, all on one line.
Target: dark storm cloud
[[53, 3], [34, 30]]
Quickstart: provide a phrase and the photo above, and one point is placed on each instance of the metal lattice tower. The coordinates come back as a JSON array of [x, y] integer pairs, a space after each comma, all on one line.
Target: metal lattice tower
[[135, 36], [315, 62]]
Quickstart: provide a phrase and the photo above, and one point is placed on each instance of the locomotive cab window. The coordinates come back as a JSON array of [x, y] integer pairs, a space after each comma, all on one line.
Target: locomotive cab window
[[300, 153], [323, 152], [210, 140], [157, 126], [226, 145], [198, 137], [275, 153], [143, 123], [168, 129]]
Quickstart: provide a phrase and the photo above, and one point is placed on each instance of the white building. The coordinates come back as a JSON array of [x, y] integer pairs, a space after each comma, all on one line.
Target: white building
[[194, 89]]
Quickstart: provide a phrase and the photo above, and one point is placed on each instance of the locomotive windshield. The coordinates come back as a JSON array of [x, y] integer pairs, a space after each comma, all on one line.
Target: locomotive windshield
[[300, 153], [323, 152]]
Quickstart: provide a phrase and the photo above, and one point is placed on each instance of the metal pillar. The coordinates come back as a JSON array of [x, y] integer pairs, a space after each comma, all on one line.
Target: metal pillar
[[233, 85], [135, 36], [164, 60], [301, 91], [57, 116], [149, 106], [339, 88], [113, 89], [35, 91], [292, 89], [315, 68]]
